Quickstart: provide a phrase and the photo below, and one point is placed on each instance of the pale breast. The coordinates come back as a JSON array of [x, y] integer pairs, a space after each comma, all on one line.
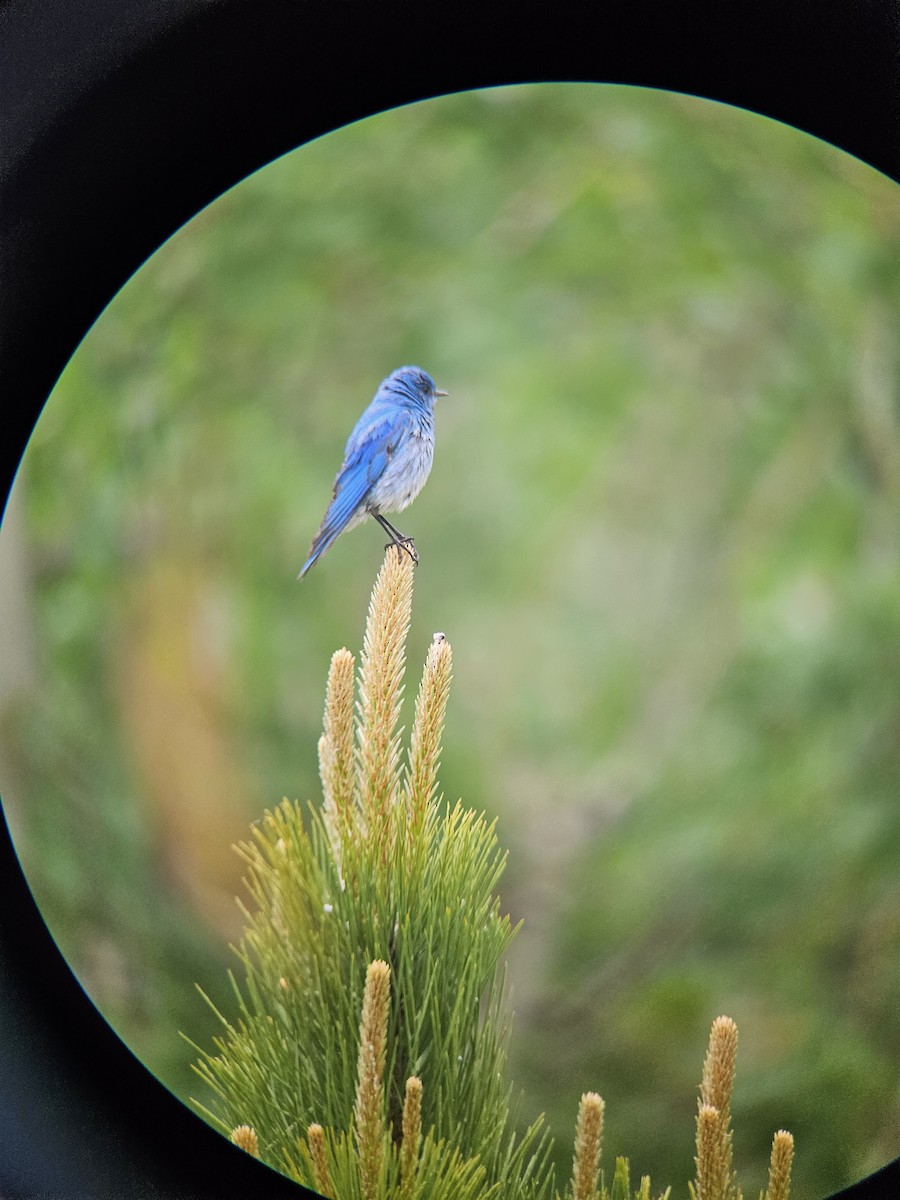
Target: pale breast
[[406, 473]]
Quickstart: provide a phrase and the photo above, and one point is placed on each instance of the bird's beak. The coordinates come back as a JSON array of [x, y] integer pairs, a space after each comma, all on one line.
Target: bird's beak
[[438, 392]]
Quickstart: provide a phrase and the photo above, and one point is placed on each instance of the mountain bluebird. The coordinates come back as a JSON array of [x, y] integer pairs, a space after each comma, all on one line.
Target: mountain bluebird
[[386, 460]]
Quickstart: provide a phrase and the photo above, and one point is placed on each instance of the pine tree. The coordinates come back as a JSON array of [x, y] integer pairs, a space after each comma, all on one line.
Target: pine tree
[[368, 1057], [369, 1053]]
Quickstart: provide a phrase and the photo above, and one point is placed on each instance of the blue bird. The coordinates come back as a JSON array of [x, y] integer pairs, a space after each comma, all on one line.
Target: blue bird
[[386, 461]]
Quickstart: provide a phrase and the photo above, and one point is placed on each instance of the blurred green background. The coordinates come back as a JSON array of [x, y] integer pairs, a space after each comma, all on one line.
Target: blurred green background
[[661, 533]]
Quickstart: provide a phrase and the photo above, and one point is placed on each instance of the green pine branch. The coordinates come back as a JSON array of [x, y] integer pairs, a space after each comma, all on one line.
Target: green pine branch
[[367, 1055], [383, 871]]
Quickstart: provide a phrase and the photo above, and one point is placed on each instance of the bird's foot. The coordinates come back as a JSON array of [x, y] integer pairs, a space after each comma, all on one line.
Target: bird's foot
[[406, 544]]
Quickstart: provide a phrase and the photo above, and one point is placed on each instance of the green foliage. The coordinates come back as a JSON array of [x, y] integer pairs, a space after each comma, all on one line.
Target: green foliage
[[290, 1059]]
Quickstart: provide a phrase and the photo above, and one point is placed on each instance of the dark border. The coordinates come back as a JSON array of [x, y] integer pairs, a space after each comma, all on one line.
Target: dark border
[[119, 119]]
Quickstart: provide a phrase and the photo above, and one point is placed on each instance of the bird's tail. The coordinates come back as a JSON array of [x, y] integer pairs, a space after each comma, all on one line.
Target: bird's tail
[[321, 542], [340, 516], [344, 511]]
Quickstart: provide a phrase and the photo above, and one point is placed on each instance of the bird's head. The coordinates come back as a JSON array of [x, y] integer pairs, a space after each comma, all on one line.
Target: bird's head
[[415, 383]]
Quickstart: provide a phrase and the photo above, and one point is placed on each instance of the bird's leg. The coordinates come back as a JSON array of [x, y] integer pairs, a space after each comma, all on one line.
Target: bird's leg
[[397, 538]]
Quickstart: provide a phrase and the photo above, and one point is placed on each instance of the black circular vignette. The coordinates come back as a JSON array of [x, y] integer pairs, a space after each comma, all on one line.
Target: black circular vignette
[[120, 119]]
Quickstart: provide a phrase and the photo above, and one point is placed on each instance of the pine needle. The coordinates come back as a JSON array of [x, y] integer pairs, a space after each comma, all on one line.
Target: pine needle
[[715, 1175], [369, 1111], [315, 1136], [245, 1137], [412, 1136], [336, 766], [428, 725], [588, 1143], [382, 666], [780, 1166]]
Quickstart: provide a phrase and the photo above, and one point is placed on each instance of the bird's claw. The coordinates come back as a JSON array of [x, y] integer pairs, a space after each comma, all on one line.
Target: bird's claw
[[407, 544]]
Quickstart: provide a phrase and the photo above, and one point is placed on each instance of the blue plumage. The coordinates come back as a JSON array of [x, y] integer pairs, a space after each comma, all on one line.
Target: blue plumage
[[387, 460]]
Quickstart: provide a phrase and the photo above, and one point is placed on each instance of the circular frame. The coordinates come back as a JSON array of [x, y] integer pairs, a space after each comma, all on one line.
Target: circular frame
[[121, 120]]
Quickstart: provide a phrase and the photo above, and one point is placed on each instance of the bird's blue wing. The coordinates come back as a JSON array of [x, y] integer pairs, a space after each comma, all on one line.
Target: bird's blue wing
[[369, 449]]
